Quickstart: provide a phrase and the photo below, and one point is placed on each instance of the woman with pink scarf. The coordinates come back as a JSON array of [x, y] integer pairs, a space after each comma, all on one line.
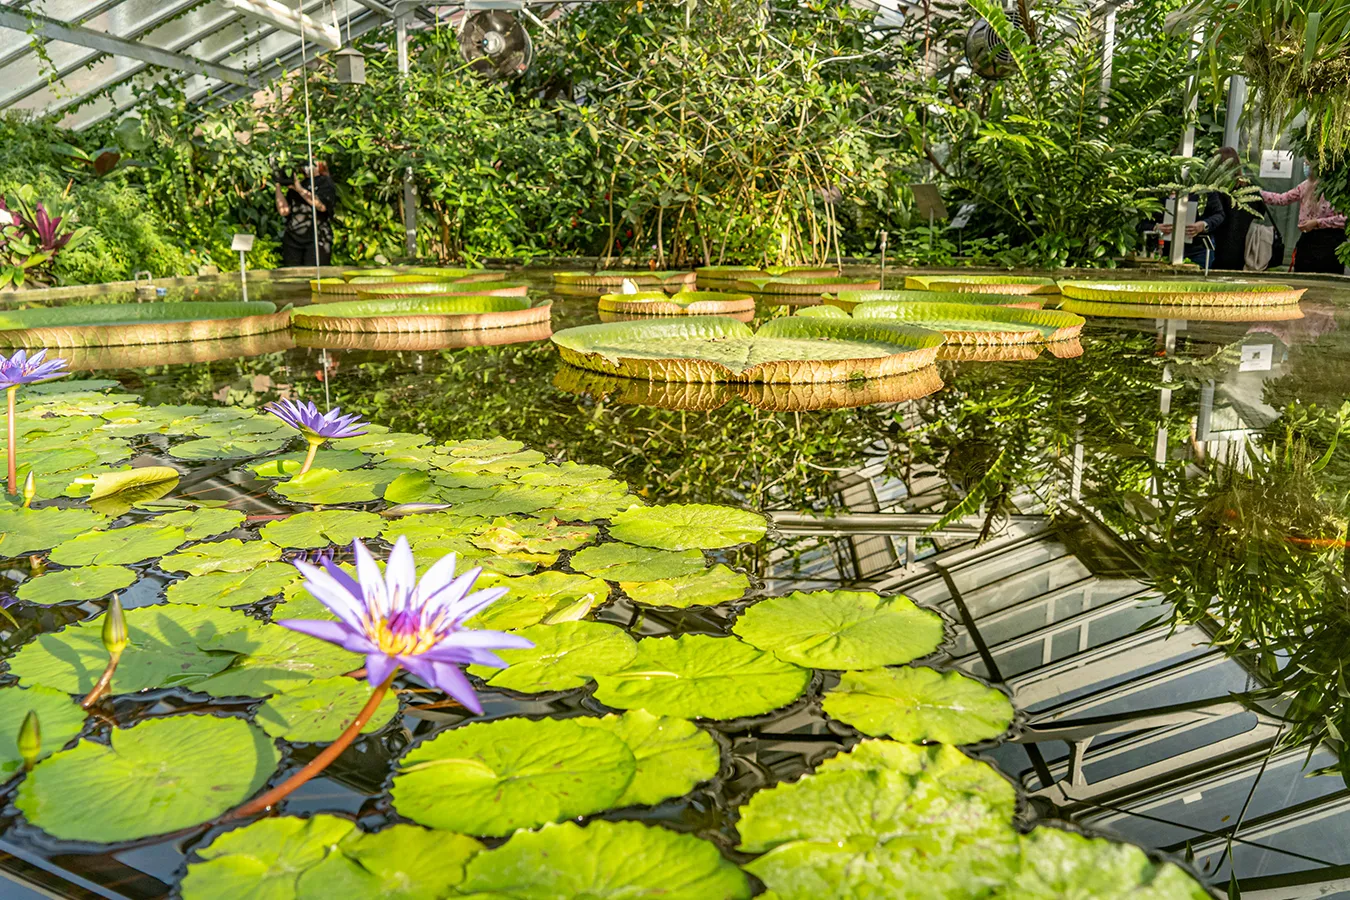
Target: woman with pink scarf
[[1322, 227]]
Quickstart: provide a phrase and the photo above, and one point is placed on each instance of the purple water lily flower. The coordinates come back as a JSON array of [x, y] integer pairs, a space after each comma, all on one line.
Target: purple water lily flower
[[398, 621], [317, 427], [16, 371]]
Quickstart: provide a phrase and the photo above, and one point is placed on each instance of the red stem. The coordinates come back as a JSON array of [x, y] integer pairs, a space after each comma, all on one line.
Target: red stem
[[103, 681], [318, 763]]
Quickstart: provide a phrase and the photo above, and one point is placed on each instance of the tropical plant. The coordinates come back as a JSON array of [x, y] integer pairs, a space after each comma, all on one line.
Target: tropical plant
[[32, 236]]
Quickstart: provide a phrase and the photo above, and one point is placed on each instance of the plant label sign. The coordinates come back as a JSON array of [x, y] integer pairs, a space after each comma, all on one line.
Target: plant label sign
[[1277, 164]]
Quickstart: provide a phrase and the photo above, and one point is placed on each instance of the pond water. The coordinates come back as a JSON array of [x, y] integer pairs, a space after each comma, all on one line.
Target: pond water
[[1173, 461]]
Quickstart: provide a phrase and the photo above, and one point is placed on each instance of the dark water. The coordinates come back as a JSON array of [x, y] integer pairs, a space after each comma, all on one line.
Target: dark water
[[1151, 473]]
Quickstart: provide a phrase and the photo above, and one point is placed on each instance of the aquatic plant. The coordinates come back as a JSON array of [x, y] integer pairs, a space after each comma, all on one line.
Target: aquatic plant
[[30, 740], [397, 621], [115, 641], [316, 427], [16, 371]]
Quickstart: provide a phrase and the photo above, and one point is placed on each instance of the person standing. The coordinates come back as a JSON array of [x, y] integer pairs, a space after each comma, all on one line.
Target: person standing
[[302, 207], [1321, 227]]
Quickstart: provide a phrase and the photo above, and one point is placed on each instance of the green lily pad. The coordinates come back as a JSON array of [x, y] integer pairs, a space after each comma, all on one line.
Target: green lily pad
[[624, 562], [80, 583], [33, 530], [380, 440], [322, 709], [549, 597], [289, 464], [119, 546], [329, 486], [60, 718], [170, 646], [515, 536], [232, 555], [1056, 864], [491, 778], [707, 588], [695, 526], [841, 629], [697, 676], [200, 524], [325, 857], [412, 487], [673, 755], [919, 704], [604, 861], [504, 500], [162, 775], [567, 474], [50, 462], [234, 588], [592, 502], [228, 447], [436, 526], [564, 656], [312, 530], [276, 660]]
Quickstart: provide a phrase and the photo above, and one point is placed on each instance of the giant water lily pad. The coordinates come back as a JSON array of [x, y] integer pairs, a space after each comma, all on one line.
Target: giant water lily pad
[[170, 646], [60, 718], [684, 303], [329, 486], [977, 324], [841, 629], [234, 588], [324, 528], [389, 310], [564, 656], [117, 324], [919, 704], [31, 530], [706, 588], [494, 777], [160, 776], [1184, 293], [697, 676], [326, 857], [1055, 864], [119, 546], [688, 527], [673, 755], [200, 524], [322, 709], [982, 284], [80, 583], [712, 348], [604, 861], [549, 597], [231, 555], [274, 660], [624, 562]]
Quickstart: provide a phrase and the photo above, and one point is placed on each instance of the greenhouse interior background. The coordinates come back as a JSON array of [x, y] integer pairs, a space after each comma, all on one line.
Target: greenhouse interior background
[[686, 449]]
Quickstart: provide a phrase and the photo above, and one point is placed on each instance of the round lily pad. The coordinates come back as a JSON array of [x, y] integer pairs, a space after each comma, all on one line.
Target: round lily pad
[[707, 588], [604, 861], [673, 755], [80, 583], [170, 646], [324, 528], [1055, 864], [274, 660], [322, 709], [919, 704], [31, 530], [288, 464], [329, 486], [549, 597], [234, 588], [515, 536], [228, 447], [119, 546], [697, 676], [624, 562], [325, 857], [200, 524], [491, 778], [232, 555], [60, 718], [688, 527], [841, 629], [564, 656], [566, 474], [160, 776]]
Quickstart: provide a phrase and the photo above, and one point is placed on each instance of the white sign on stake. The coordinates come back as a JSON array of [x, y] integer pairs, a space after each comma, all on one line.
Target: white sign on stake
[[1277, 164]]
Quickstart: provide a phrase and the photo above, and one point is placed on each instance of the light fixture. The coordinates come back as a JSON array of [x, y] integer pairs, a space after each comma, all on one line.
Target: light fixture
[[351, 66], [287, 19]]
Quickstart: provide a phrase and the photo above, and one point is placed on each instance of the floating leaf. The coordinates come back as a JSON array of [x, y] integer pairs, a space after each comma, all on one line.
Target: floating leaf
[[841, 629], [515, 536], [199, 524], [697, 676], [234, 588], [1054, 864], [232, 555], [549, 597], [289, 464], [380, 440], [604, 861], [567, 474], [424, 527], [673, 755], [325, 857], [624, 562], [322, 709], [919, 704], [312, 530], [109, 483], [276, 660], [59, 717], [228, 447], [563, 657], [329, 486], [707, 588], [119, 546], [170, 646], [491, 778], [32, 530], [80, 583], [160, 776], [592, 502], [688, 527], [49, 462]]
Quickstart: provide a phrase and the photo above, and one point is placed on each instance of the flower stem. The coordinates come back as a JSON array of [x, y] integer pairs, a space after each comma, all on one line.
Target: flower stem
[[103, 681], [13, 470], [309, 457], [318, 763]]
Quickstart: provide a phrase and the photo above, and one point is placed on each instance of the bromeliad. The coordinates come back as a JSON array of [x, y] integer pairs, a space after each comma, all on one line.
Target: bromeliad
[[15, 372], [316, 427]]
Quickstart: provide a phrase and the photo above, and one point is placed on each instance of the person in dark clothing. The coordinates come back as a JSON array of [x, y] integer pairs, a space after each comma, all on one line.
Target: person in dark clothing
[[1230, 238], [1211, 218], [304, 204]]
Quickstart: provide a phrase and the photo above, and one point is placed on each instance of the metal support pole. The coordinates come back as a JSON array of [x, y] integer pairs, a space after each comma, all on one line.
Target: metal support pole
[[409, 190], [243, 276], [1179, 210], [1237, 99], [1108, 55]]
